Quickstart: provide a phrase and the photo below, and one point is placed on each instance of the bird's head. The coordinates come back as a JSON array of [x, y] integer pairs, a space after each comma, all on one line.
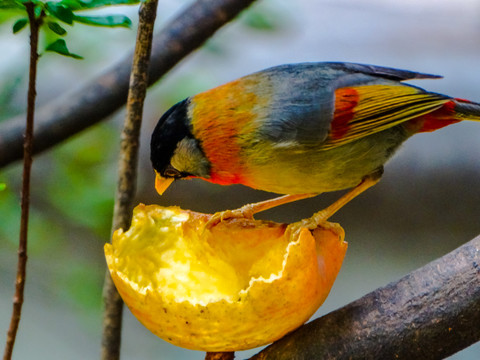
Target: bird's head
[[174, 151]]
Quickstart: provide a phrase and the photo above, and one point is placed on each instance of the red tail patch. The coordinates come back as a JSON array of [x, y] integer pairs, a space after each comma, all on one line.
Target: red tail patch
[[439, 118]]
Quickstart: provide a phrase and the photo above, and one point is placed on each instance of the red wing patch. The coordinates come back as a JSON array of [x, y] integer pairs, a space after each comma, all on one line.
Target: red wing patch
[[346, 99], [368, 109]]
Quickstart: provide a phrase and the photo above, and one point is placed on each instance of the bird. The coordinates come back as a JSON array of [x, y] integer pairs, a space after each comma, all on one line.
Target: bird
[[299, 130]]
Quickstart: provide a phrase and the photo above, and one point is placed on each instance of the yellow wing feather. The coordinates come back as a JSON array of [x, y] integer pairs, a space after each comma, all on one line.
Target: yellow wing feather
[[364, 110]]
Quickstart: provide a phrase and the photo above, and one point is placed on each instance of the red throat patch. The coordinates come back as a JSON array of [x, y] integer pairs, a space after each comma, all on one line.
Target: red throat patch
[[222, 118]]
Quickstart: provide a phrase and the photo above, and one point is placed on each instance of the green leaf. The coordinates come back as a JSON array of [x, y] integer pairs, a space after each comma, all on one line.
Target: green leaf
[[19, 25], [60, 12], [38, 9], [3, 186], [73, 4], [60, 47], [34, 2], [11, 4], [108, 20], [57, 29], [259, 20], [90, 4]]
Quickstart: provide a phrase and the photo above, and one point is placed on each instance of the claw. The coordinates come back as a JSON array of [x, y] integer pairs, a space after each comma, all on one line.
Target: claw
[[245, 212]]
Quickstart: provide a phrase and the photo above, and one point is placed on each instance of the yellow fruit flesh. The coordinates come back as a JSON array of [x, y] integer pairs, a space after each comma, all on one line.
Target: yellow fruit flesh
[[241, 285]]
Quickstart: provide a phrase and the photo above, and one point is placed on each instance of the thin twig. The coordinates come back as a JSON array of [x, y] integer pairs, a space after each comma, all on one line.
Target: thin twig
[[127, 173], [25, 201], [430, 314], [72, 113]]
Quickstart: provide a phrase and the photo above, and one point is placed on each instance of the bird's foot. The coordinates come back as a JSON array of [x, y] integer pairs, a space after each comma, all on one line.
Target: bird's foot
[[317, 219], [245, 212]]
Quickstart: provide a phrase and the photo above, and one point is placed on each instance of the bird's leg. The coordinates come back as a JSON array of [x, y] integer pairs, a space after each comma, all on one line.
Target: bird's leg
[[247, 211], [323, 215]]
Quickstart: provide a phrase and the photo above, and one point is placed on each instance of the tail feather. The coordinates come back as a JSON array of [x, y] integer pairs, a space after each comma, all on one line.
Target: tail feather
[[452, 111]]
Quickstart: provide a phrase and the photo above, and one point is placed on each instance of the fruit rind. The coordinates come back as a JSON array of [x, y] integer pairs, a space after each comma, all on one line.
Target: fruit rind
[[240, 301]]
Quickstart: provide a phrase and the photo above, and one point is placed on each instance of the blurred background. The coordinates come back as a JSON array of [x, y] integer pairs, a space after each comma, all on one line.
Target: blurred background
[[427, 204]]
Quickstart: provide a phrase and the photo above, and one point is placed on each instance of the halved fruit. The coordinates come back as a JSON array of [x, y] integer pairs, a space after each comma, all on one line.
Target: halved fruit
[[241, 284]]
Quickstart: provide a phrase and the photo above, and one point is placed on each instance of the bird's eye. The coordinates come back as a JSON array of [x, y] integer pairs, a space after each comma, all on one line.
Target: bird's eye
[[172, 172]]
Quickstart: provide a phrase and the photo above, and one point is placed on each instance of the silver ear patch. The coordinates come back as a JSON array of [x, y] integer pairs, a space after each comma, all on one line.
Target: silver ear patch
[[189, 158]]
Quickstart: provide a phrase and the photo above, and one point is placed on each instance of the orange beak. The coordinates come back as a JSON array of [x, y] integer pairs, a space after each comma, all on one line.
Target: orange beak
[[161, 183]]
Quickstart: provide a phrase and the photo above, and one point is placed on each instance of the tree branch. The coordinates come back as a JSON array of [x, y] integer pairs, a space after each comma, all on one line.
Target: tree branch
[[431, 313], [220, 356], [76, 111], [127, 172]]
